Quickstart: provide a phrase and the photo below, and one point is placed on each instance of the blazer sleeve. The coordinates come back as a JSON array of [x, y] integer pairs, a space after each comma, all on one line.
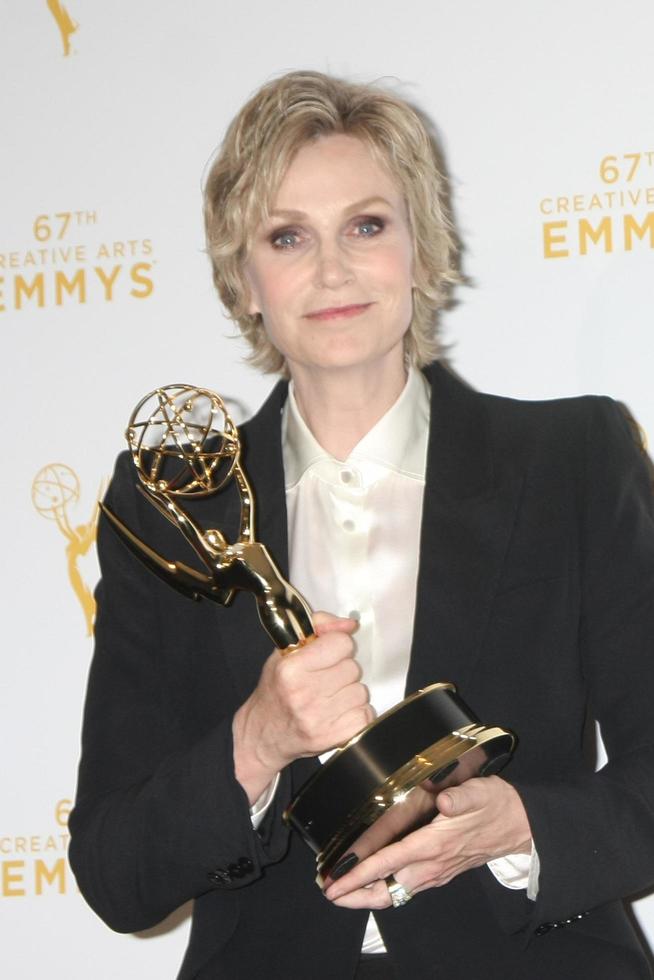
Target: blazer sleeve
[[595, 833], [159, 817]]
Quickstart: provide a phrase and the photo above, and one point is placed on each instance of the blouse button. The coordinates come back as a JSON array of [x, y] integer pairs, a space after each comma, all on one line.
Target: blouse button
[[348, 525]]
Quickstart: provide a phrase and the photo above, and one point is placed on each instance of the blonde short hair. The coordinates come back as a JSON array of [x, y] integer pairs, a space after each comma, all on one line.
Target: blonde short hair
[[258, 147]]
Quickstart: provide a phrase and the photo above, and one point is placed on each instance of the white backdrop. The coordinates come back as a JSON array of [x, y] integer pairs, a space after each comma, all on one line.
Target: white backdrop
[[109, 113]]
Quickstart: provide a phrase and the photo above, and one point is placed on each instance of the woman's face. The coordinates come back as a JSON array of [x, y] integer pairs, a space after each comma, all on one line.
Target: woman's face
[[331, 271]]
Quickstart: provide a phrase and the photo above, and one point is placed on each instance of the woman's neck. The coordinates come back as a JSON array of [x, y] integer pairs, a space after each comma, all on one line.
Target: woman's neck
[[341, 407]]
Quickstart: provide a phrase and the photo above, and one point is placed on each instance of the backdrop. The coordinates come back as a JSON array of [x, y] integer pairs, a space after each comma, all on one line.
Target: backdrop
[[110, 112]]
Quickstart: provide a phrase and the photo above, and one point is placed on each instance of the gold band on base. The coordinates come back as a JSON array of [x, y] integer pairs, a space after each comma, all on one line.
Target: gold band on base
[[466, 742]]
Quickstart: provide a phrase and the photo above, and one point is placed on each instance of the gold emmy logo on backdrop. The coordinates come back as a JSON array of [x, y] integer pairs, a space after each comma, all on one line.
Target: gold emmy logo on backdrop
[[59, 269], [65, 23], [55, 489], [35, 864], [614, 215]]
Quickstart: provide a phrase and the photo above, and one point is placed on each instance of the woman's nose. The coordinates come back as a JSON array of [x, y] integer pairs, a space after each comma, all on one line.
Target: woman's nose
[[332, 268]]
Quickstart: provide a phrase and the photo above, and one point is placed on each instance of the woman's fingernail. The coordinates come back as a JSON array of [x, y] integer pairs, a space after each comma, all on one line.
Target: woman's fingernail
[[344, 865]]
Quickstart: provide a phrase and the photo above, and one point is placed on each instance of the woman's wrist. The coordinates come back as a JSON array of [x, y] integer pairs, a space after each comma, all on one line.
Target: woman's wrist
[[252, 768]]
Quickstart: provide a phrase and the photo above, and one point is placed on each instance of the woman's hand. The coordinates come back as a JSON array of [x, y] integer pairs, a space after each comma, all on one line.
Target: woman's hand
[[480, 820], [305, 703]]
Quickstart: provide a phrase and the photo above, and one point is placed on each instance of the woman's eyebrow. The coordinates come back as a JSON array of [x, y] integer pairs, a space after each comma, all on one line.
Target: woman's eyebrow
[[293, 215]]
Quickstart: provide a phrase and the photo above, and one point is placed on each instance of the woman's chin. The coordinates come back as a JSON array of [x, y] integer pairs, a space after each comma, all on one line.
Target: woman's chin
[[348, 358]]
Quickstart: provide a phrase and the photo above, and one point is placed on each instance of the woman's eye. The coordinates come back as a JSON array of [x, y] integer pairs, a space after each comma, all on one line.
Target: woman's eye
[[368, 227], [284, 239]]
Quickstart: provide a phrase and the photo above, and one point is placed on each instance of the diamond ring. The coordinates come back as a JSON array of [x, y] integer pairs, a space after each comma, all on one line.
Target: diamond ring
[[399, 894]]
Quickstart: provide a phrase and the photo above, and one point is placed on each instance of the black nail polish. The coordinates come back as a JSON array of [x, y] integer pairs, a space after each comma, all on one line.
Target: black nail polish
[[344, 865]]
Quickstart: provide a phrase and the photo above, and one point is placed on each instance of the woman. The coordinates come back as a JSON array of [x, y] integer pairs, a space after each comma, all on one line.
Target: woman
[[508, 547]]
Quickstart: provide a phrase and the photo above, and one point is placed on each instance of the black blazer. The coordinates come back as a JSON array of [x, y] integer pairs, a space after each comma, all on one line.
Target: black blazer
[[535, 596]]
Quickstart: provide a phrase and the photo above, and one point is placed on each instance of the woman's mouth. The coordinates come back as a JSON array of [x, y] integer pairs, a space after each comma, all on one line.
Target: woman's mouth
[[338, 312]]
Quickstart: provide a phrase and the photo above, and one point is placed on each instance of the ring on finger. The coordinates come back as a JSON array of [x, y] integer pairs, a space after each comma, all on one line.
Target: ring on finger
[[399, 894]]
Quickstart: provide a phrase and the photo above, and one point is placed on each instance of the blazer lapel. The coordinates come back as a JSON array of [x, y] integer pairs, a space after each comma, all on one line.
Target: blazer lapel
[[468, 513]]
